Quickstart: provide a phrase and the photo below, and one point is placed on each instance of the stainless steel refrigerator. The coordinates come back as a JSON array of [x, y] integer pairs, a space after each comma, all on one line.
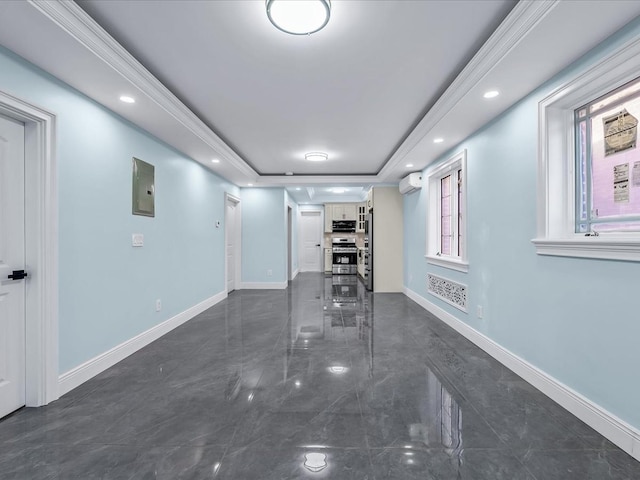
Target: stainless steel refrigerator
[[368, 252]]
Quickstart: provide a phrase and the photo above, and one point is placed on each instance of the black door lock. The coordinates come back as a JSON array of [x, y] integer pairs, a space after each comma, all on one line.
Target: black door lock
[[18, 275]]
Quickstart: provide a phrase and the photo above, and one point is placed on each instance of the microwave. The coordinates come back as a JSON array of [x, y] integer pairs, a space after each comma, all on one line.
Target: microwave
[[348, 226]]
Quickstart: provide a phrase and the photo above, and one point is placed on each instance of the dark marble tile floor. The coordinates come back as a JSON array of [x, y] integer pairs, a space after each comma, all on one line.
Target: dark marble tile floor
[[319, 381]]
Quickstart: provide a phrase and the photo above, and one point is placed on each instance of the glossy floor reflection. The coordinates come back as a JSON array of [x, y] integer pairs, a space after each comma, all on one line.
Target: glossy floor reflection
[[319, 381]]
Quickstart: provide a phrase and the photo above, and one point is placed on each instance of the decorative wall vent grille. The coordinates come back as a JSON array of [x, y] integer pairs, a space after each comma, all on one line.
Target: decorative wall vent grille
[[451, 292]]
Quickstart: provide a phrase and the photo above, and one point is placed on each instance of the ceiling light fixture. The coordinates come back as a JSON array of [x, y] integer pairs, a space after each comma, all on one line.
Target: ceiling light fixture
[[438, 140], [339, 190], [299, 17], [409, 165], [316, 156], [315, 462], [249, 184], [126, 99], [215, 160], [491, 94]]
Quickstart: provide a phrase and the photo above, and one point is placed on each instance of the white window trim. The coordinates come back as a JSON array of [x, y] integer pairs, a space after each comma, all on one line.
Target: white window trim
[[556, 162], [458, 161]]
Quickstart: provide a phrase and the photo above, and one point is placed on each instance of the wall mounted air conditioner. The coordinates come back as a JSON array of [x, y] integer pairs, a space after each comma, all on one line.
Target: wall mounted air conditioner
[[410, 183]]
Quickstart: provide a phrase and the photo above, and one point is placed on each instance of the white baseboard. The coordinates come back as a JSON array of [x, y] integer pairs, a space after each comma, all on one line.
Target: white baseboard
[[263, 285], [295, 273], [613, 428], [80, 374]]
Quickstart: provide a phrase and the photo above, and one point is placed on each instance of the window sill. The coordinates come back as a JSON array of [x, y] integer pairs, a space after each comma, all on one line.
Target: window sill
[[602, 247], [458, 265]]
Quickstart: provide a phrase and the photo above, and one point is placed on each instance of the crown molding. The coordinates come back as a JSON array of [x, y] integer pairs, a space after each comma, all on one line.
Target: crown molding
[[288, 180], [524, 17], [86, 31]]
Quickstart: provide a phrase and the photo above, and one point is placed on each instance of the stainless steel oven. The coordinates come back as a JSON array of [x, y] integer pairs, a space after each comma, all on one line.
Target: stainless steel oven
[[345, 256]]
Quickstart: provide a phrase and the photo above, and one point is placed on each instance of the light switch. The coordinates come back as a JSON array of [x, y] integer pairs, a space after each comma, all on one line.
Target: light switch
[[137, 239]]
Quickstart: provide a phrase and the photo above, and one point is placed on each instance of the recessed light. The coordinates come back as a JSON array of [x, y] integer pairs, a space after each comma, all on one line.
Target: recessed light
[[438, 140], [491, 94], [409, 165], [339, 190], [126, 99], [215, 160], [316, 156], [249, 184]]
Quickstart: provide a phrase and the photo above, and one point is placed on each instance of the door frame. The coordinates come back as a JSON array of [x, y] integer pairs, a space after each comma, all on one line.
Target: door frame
[[300, 240], [228, 198], [41, 248]]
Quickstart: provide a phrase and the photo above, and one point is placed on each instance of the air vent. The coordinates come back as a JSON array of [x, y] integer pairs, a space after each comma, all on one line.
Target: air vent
[[451, 292]]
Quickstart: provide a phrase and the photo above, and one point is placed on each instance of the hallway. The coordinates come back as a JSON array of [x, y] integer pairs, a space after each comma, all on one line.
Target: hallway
[[320, 380]]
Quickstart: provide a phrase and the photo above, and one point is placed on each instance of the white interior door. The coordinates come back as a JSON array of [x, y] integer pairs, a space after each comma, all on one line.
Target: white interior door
[[12, 257], [311, 241], [231, 234]]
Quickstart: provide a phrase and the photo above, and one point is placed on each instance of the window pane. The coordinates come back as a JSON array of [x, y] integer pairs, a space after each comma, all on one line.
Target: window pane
[[614, 190], [445, 215], [446, 245]]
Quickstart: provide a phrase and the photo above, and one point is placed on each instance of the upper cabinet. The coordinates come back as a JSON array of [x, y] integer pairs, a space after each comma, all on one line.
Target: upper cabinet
[[362, 217], [344, 211], [328, 218]]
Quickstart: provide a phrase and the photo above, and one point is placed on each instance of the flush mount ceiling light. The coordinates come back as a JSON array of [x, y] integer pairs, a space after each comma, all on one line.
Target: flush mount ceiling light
[[316, 156], [127, 99], [438, 140], [491, 94], [315, 462], [409, 165], [215, 160], [299, 17]]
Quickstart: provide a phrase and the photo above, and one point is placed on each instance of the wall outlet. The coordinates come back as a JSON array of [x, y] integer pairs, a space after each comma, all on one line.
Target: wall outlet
[[479, 311], [269, 273], [158, 305]]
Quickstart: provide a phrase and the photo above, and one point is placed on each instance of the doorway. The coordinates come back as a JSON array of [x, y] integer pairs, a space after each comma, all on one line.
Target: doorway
[[232, 242], [39, 322], [311, 227], [12, 260]]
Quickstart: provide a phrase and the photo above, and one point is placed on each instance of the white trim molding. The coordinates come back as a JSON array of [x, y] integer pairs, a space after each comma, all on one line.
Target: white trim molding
[[264, 285], [41, 248], [604, 422], [556, 153], [89, 369], [434, 175], [229, 198]]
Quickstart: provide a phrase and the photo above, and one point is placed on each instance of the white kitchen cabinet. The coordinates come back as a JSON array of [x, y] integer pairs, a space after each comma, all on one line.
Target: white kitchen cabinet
[[328, 260], [362, 217], [345, 211], [328, 218]]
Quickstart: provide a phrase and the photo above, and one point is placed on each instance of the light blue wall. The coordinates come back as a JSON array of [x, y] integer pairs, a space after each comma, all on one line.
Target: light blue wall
[[575, 319], [264, 235], [108, 288]]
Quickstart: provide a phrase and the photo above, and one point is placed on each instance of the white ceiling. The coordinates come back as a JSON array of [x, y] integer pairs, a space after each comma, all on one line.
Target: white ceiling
[[373, 89]]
